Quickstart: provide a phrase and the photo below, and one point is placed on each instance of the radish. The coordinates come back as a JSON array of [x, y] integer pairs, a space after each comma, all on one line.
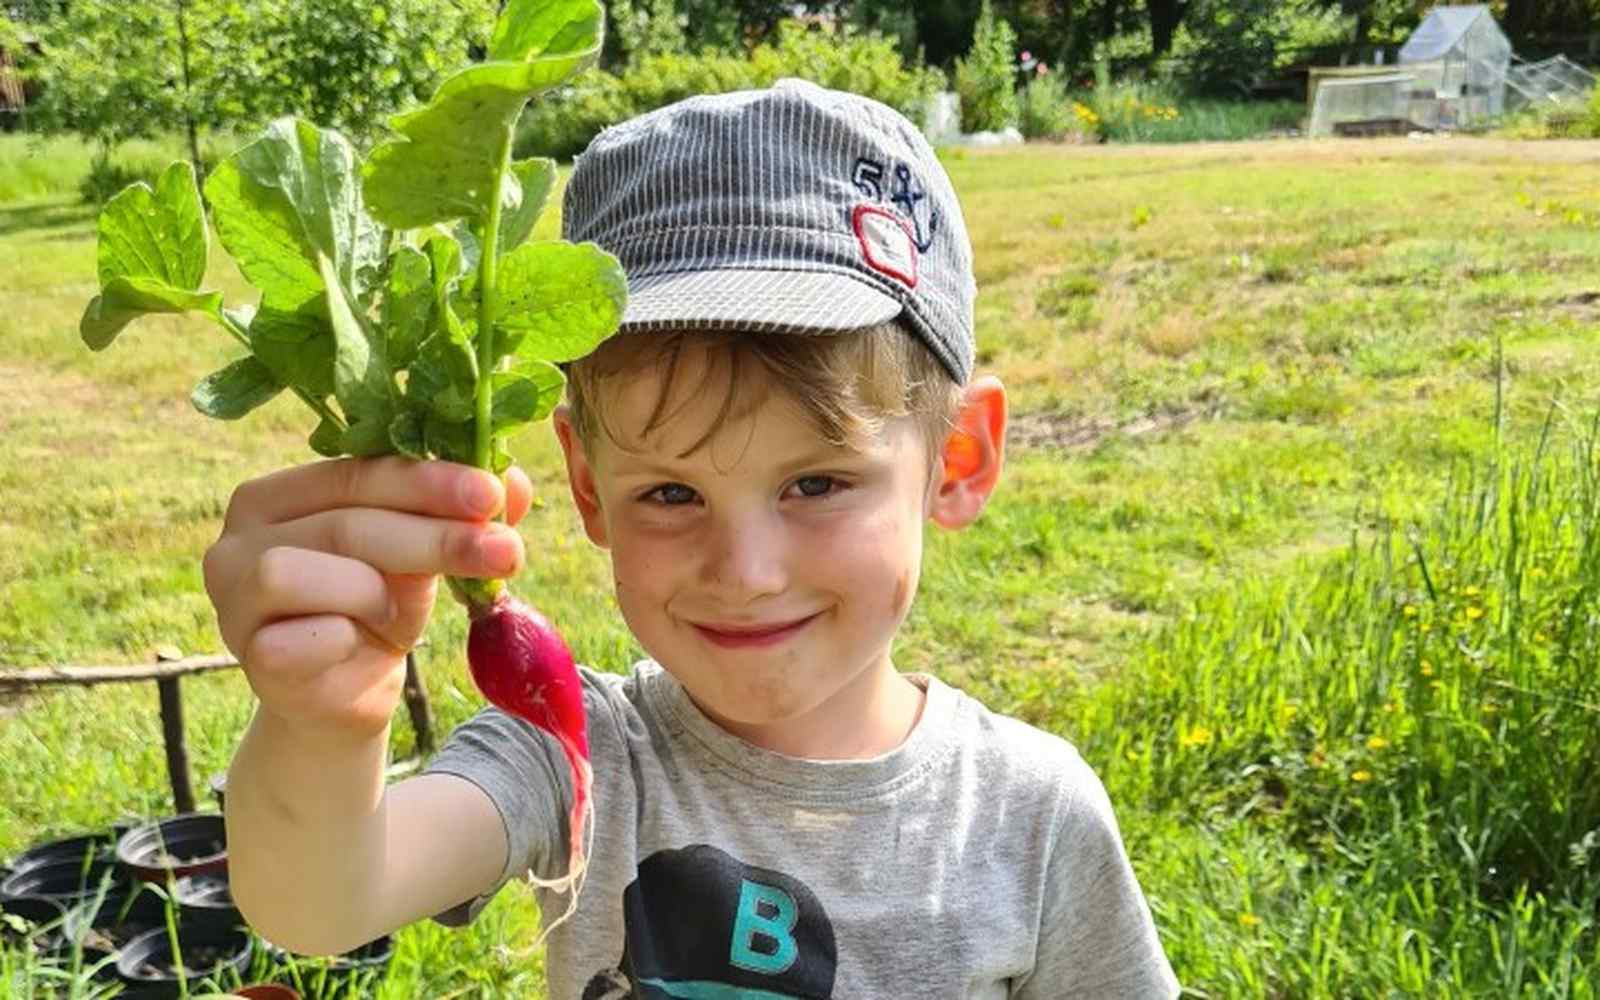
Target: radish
[[520, 663], [403, 302]]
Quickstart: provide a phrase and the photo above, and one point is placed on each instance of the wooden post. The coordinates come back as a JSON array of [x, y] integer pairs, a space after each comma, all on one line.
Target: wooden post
[[177, 751], [417, 704]]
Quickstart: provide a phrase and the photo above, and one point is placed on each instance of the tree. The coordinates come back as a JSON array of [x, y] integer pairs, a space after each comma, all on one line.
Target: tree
[[114, 70], [1165, 17]]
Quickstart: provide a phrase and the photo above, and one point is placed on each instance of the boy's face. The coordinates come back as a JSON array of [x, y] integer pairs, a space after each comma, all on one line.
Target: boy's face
[[768, 570]]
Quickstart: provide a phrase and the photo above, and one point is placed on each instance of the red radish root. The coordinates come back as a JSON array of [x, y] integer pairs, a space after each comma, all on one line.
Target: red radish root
[[520, 663]]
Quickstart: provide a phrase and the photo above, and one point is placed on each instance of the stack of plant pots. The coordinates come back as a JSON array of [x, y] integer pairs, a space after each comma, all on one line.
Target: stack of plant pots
[[115, 902]]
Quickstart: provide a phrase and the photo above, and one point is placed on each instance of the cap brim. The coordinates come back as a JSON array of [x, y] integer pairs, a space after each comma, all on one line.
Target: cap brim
[[759, 301]]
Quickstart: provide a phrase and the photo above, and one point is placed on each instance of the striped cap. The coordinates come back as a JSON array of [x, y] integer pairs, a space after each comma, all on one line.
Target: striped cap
[[793, 209]]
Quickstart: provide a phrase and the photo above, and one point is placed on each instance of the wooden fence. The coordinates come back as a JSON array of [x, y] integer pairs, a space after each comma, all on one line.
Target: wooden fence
[[168, 674]]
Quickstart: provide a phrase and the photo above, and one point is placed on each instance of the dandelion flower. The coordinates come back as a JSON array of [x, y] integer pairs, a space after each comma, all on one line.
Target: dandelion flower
[[1474, 613], [1361, 777], [1410, 611], [1249, 920], [1427, 669], [1471, 591], [1198, 736], [1377, 743]]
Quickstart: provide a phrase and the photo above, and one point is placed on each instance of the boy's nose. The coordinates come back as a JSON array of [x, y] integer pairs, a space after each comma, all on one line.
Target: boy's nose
[[745, 560]]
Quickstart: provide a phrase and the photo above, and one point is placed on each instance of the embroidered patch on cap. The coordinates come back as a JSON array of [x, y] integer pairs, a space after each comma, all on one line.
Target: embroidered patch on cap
[[887, 243]]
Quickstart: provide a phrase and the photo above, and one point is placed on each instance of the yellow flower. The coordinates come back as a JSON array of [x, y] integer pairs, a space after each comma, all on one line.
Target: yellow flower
[[1249, 920], [1471, 591], [1425, 628], [1388, 706], [1198, 736], [1377, 743], [1288, 711], [1490, 708], [1131, 755], [1427, 669], [1474, 613], [1361, 777], [1410, 611], [1540, 637], [1536, 572]]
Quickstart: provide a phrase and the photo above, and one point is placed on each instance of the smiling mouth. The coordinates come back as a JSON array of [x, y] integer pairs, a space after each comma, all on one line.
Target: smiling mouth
[[745, 636]]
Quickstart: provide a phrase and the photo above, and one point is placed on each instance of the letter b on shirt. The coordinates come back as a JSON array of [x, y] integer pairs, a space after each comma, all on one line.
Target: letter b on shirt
[[763, 932]]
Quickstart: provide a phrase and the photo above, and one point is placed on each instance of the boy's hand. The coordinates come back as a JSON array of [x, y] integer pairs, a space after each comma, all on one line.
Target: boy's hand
[[325, 575]]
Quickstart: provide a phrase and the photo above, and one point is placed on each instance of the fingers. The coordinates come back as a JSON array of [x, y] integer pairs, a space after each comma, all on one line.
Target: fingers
[[519, 494], [434, 488], [289, 669], [393, 542]]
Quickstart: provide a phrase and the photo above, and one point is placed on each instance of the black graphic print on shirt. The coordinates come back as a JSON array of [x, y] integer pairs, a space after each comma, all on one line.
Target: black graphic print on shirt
[[702, 925]]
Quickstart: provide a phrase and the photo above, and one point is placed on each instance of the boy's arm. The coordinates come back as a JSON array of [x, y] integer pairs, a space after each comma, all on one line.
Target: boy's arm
[[324, 859], [1096, 935], [323, 576]]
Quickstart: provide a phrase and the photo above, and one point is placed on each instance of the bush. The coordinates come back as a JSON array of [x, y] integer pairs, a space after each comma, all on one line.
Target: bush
[[110, 173], [866, 63], [986, 77], [1045, 111]]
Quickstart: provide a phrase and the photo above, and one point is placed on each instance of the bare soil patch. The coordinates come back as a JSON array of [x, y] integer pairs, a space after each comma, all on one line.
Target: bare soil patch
[[1064, 432]]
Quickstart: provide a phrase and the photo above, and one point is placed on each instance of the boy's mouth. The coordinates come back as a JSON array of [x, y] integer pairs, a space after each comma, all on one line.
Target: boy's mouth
[[743, 635]]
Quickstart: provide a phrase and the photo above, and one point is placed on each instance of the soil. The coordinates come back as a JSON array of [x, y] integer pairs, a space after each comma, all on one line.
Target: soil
[[197, 959], [1063, 432]]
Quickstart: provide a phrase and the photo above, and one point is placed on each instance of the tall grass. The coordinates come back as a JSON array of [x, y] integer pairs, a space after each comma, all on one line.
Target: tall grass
[[1387, 780]]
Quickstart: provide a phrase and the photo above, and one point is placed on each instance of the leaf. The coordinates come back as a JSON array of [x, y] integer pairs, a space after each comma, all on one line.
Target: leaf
[[531, 28], [296, 347], [527, 394], [124, 300], [235, 390], [407, 305], [158, 234], [282, 200], [527, 188], [406, 434], [559, 300], [151, 256], [362, 381], [447, 164], [444, 377], [327, 440], [449, 440]]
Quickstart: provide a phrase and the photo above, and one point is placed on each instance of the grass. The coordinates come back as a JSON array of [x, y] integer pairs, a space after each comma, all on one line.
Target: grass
[[1297, 543]]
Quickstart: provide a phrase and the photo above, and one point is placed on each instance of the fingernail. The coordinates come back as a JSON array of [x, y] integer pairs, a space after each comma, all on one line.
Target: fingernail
[[480, 494]]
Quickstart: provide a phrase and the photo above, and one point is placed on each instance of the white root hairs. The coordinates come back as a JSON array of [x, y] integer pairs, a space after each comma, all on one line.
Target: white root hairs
[[577, 867]]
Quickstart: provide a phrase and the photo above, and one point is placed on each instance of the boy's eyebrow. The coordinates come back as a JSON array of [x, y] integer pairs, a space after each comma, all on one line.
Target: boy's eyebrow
[[624, 463]]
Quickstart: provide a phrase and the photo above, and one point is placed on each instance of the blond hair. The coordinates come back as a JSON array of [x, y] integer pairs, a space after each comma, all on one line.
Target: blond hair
[[848, 384]]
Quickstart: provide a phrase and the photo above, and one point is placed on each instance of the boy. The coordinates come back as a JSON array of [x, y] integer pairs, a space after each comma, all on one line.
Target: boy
[[779, 812]]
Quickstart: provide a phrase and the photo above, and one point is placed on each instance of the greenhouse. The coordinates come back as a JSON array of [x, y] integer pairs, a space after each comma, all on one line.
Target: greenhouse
[[1459, 57]]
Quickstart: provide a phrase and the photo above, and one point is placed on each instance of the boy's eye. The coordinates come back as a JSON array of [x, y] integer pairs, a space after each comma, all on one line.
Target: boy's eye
[[671, 494], [815, 486]]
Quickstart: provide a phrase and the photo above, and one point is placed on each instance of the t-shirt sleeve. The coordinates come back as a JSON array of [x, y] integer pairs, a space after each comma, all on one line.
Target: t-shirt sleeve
[[525, 775], [1097, 938]]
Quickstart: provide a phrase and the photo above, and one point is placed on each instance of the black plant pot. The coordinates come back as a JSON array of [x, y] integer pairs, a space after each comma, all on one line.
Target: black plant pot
[[146, 963], [68, 883], [190, 844], [38, 913], [206, 901], [127, 910], [91, 846]]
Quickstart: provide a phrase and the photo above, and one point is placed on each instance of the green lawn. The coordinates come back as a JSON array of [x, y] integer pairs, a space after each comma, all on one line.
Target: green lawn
[[1278, 547]]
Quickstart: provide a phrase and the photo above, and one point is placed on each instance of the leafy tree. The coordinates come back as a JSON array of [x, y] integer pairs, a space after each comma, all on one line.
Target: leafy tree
[[349, 64], [986, 76], [647, 27]]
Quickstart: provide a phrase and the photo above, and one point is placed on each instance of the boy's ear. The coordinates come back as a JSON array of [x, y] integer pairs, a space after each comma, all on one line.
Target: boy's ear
[[972, 457], [580, 476]]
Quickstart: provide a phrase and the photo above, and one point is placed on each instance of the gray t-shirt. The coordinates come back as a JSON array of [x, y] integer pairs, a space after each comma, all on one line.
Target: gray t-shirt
[[979, 859]]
